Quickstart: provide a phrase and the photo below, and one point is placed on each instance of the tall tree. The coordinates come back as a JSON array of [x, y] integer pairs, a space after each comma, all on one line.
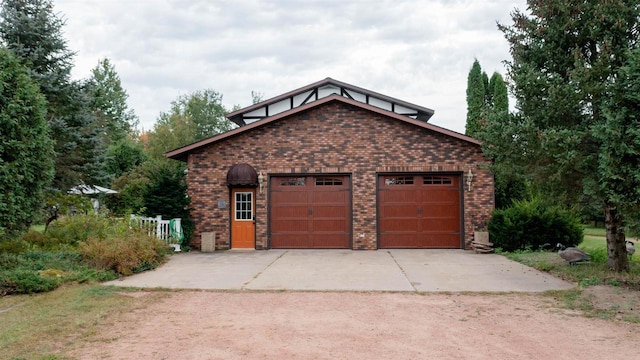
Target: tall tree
[[476, 99], [192, 118], [498, 95], [32, 30], [124, 155], [488, 108], [26, 149], [109, 101], [568, 70], [484, 97]]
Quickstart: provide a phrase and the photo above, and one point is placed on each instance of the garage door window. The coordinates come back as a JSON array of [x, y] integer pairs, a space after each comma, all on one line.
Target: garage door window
[[404, 180], [436, 180], [293, 181], [328, 181]]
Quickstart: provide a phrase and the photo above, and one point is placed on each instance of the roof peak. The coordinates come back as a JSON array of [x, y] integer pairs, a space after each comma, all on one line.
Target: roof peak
[[322, 89]]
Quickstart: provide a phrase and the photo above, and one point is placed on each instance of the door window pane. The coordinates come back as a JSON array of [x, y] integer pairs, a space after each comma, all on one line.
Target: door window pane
[[244, 206]]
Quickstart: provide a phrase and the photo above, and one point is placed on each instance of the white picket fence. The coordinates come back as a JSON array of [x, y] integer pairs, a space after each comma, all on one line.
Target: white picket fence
[[161, 229]]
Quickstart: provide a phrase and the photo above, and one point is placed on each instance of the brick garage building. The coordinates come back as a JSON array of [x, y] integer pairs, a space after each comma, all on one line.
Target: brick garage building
[[332, 165]]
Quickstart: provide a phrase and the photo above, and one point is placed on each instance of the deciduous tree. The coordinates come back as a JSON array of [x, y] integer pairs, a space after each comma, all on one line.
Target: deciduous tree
[[192, 118]]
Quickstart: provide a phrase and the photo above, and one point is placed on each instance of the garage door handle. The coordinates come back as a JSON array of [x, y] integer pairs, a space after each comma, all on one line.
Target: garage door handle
[[310, 211], [419, 211]]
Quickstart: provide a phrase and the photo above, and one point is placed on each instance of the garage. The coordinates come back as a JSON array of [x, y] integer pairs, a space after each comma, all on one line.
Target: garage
[[310, 212], [419, 211], [338, 167]]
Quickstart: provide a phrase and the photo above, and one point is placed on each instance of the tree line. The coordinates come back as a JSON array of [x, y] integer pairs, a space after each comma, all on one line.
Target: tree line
[[57, 133]]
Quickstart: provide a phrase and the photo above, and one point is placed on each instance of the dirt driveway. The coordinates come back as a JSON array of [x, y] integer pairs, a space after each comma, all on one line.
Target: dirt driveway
[[355, 325]]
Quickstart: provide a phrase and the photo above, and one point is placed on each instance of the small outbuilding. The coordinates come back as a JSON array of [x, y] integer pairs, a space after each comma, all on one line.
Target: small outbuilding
[[334, 166]]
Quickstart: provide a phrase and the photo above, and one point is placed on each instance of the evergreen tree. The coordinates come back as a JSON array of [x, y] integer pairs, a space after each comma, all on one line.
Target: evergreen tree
[[488, 107], [498, 96], [26, 149], [484, 96], [33, 32], [109, 101], [166, 195], [571, 71], [476, 99], [124, 155]]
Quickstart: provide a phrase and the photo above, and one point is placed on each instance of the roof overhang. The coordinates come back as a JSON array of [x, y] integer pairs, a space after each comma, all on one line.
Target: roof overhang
[[183, 152]]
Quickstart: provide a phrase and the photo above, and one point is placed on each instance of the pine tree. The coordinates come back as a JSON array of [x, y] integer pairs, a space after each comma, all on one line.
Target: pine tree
[[572, 72], [32, 30], [499, 98], [109, 101], [26, 148], [476, 99]]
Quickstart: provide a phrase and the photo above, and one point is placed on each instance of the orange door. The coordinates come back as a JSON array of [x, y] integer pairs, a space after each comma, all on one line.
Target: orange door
[[243, 231]]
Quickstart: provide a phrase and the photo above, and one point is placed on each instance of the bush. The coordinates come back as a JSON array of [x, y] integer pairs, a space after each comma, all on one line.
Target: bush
[[13, 246], [68, 204], [38, 271], [79, 248], [531, 224], [72, 230], [42, 260], [35, 238], [134, 252], [21, 281]]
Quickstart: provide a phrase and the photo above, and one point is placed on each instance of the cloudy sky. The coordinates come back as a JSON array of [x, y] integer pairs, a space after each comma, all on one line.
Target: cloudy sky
[[418, 51]]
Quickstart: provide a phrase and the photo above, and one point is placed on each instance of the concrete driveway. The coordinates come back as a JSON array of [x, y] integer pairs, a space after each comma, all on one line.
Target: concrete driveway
[[345, 270]]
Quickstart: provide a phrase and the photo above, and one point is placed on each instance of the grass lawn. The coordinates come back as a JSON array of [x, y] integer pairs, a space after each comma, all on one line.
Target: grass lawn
[[586, 274], [619, 288], [593, 231], [38, 228], [44, 325]]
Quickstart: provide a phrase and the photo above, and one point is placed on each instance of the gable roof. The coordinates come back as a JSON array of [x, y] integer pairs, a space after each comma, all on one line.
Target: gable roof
[[183, 152], [321, 89]]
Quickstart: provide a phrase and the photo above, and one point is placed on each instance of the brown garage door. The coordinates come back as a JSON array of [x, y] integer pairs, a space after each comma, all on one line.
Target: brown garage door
[[419, 211], [310, 212]]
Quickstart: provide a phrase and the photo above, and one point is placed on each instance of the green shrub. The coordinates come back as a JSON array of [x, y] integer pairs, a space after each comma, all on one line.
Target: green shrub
[[531, 224], [37, 271], [69, 204], [133, 252], [35, 238], [72, 230], [41, 260], [598, 255], [21, 281], [10, 260], [13, 246], [79, 248]]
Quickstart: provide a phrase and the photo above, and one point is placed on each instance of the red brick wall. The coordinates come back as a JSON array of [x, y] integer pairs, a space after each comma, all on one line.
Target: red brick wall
[[334, 138]]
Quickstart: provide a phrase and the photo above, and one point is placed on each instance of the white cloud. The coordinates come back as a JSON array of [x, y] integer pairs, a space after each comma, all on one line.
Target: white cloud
[[415, 50]]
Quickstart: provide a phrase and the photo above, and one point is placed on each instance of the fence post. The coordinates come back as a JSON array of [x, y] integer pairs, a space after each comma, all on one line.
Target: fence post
[[178, 223], [159, 227]]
